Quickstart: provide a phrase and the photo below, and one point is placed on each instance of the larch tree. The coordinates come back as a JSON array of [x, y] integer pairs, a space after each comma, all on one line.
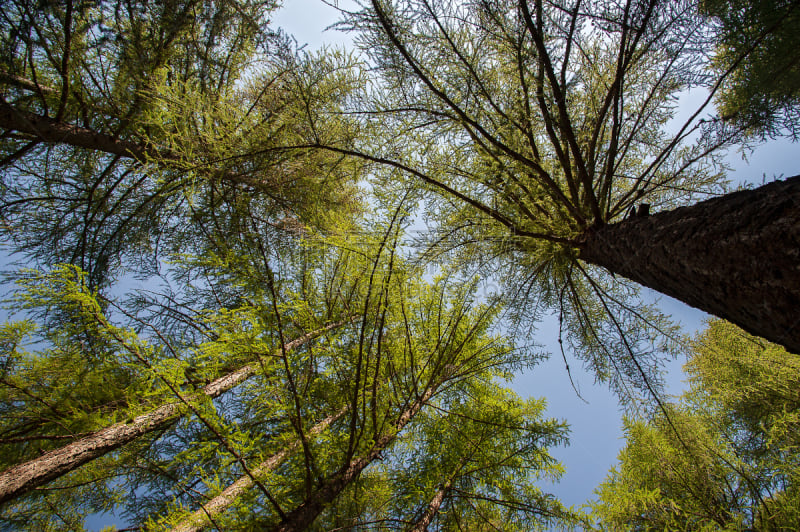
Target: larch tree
[[545, 134], [412, 344], [463, 355], [94, 395], [293, 371], [85, 446], [733, 462], [283, 445]]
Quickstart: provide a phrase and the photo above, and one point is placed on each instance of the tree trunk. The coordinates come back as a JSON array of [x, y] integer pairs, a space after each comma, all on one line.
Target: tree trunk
[[23, 83], [432, 509], [200, 518], [422, 524], [736, 256], [304, 515], [50, 131], [20, 479]]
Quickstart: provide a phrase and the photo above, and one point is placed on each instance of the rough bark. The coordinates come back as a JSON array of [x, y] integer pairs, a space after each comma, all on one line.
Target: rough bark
[[304, 515], [200, 518], [22, 478], [736, 256]]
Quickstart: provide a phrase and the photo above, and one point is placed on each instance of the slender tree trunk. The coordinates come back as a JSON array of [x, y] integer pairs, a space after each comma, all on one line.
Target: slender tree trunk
[[736, 256], [51, 131], [200, 518], [20, 479], [304, 515], [433, 508], [24, 83]]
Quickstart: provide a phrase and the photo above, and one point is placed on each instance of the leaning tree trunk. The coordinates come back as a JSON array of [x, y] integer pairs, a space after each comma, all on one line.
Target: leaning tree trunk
[[50, 131], [432, 509], [22, 478], [304, 515], [736, 256], [55, 132]]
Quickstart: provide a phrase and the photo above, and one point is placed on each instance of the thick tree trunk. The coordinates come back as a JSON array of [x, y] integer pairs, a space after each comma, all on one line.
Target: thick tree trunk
[[736, 256], [200, 518], [304, 515], [20, 479]]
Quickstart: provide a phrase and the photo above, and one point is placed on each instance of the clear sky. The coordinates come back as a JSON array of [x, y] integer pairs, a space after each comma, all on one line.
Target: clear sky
[[596, 434]]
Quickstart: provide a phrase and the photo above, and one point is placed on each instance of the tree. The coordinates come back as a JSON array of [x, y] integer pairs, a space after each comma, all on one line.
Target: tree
[[24, 477], [206, 514], [287, 432], [726, 458], [472, 446], [101, 388], [540, 128], [442, 344]]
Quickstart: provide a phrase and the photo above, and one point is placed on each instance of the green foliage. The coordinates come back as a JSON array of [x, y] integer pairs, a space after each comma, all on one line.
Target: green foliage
[[482, 448], [727, 456], [754, 381], [262, 195], [75, 380], [399, 338]]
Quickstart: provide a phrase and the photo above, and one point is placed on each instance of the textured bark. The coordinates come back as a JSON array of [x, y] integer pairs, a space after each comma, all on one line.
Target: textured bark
[[736, 256], [20, 479], [200, 518], [304, 515]]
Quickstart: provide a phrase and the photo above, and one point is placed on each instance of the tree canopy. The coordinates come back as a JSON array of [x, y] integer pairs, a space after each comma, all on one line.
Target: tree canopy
[[123, 121], [757, 42], [544, 132], [230, 317]]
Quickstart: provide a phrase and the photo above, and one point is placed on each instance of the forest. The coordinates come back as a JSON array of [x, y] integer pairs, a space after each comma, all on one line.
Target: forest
[[248, 285]]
